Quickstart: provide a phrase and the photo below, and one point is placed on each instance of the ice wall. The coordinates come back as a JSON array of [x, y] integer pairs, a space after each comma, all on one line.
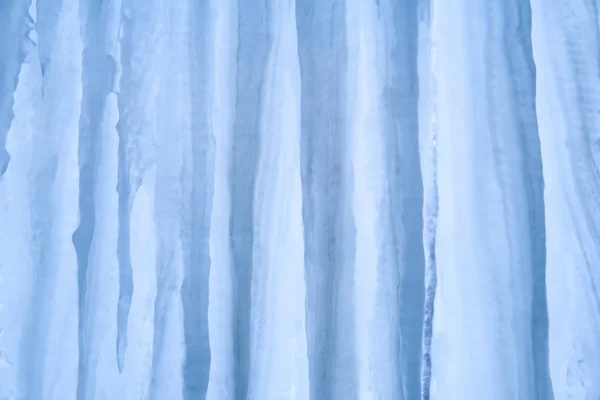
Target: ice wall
[[298, 199]]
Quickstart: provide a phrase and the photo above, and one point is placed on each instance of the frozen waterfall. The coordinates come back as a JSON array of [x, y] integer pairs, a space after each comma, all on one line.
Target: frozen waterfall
[[299, 199]]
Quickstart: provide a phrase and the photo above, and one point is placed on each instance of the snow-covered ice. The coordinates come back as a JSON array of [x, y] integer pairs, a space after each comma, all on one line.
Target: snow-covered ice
[[299, 199]]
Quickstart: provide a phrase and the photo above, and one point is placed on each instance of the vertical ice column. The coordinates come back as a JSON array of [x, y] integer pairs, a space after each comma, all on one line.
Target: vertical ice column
[[51, 323], [322, 54], [173, 132], [428, 158], [566, 48], [20, 122], [15, 25], [141, 44], [95, 238], [376, 274], [251, 54], [488, 331], [197, 175], [278, 353], [222, 48], [405, 186]]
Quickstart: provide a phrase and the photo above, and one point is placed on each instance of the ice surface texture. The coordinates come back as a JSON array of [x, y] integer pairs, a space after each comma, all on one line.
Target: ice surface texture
[[299, 199]]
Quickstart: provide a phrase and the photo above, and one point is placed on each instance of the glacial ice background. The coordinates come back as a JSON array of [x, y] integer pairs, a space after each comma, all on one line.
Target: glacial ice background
[[299, 199]]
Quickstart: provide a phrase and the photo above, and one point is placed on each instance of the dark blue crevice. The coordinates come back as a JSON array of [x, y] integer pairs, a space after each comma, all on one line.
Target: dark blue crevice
[[407, 199], [198, 195], [97, 80], [322, 55], [251, 57]]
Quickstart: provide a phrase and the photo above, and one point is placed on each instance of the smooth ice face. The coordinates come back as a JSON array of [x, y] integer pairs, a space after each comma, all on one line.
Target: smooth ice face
[[299, 199], [489, 326], [565, 41]]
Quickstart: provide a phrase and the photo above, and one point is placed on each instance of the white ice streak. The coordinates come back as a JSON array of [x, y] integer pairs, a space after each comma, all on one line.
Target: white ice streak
[[566, 49], [221, 383], [483, 335], [375, 275], [54, 181], [278, 352]]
